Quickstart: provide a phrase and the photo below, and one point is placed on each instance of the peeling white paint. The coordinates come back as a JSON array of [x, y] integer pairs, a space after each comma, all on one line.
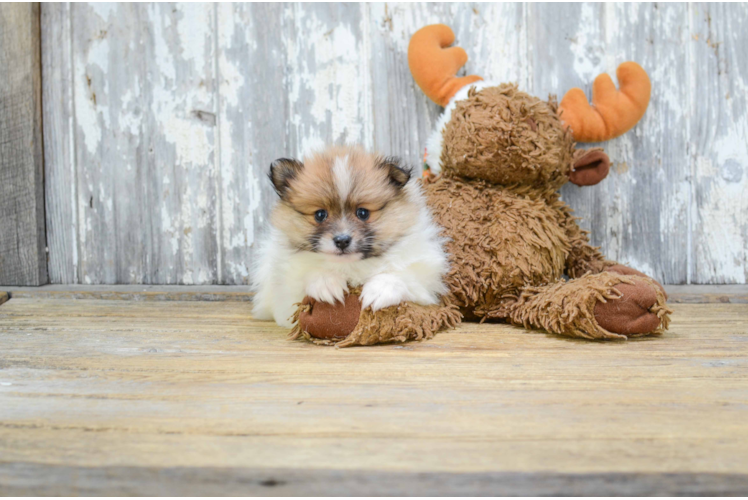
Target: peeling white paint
[[103, 9], [90, 114], [329, 75], [255, 199], [722, 214], [231, 81], [587, 48], [505, 61], [195, 34]]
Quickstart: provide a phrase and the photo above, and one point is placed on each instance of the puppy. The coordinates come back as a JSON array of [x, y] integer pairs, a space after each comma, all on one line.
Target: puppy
[[347, 218]]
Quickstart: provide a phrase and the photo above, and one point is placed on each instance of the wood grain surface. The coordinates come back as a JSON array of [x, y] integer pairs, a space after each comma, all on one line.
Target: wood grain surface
[[146, 397], [23, 257], [161, 122]]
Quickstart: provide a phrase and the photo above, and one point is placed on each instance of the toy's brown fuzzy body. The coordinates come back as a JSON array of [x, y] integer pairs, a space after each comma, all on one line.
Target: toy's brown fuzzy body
[[509, 252], [499, 242], [504, 155], [511, 238]]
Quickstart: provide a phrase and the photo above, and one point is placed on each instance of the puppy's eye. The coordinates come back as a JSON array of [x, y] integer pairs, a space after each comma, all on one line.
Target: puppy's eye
[[362, 213], [320, 215]]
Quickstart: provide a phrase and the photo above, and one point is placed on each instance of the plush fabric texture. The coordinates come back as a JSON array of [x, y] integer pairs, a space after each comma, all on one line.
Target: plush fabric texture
[[435, 139], [595, 306], [637, 311], [499, 241], [612, 112], [401, 323], [626, 270], [589, 167], [505, 136], [504, 156], [434, 64], [329, 321], [509, 250]]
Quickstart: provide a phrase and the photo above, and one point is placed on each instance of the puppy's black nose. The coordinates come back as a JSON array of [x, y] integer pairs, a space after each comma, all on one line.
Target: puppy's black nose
[[342, 241]]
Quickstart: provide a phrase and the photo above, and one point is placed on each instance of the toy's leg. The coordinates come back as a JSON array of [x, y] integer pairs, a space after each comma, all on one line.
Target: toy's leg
[[595, 306], [406, 321], [329, 324]]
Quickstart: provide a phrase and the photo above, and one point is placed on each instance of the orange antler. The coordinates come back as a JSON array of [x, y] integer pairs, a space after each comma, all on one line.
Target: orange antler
[[434, 66], [612, 112]]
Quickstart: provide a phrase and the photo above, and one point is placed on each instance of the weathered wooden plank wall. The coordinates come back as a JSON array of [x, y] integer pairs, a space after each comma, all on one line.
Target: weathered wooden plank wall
[[161, 120], [23, 258]]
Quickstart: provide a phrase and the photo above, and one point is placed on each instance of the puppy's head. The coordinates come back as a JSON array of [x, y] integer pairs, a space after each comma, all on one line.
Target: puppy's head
[[343, 202]]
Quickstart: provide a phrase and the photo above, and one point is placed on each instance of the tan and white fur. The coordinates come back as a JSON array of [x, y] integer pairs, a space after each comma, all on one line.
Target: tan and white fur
[[347, 218]]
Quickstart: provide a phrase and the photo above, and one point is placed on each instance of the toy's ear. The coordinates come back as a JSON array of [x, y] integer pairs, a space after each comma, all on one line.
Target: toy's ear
[[612, 112], [434, 64], [590, 167], [282, 172]]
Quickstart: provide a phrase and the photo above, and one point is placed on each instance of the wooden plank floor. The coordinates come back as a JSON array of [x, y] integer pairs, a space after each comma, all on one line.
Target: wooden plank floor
[[175, 397]]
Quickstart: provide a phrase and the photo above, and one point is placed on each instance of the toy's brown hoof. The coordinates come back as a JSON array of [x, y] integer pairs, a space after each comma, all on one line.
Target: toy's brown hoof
[[628, 271], [330, 321], [631, 314]]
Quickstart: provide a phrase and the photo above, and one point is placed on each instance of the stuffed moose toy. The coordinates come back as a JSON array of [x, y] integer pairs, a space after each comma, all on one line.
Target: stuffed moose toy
[[497, 158]]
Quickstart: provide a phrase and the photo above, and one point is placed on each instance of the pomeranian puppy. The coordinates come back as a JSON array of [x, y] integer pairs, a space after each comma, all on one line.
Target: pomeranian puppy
[[347, 218]]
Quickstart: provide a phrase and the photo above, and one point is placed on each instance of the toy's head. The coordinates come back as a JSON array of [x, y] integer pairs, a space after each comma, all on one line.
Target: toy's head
[[499, 134]]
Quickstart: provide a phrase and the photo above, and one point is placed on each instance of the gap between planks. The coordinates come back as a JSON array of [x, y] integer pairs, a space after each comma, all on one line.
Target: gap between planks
[[678, 294]]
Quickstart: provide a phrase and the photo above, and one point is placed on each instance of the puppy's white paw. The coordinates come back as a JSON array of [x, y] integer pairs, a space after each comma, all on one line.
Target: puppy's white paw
[[384, 290], [328, 288]]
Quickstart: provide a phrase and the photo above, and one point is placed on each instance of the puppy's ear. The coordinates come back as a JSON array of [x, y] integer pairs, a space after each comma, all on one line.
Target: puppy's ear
[[282, 172], [398, 175]]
